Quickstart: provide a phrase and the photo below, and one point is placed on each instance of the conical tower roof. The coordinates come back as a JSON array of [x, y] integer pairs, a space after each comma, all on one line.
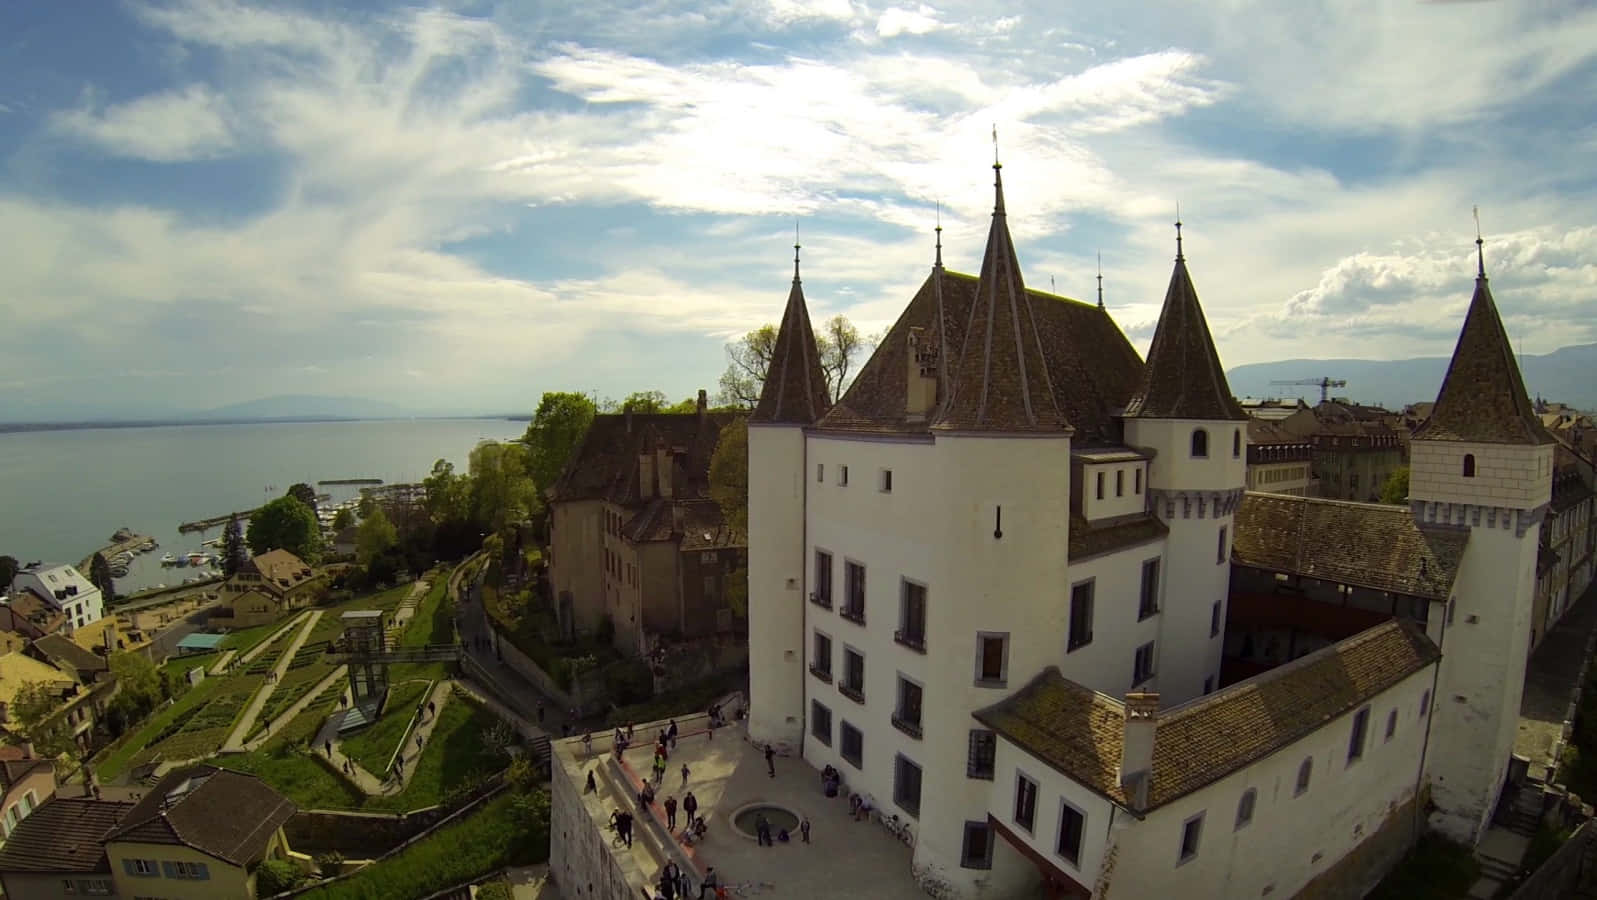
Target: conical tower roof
[[1483, 397], [1000, 383], [795, 388], [1183, 378]]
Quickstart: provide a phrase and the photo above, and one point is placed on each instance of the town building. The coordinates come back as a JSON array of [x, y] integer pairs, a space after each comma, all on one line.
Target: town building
[[1569, 538], [1279, 462], [25, 782], [199, 833], [265, 588], [65, 589], [635, 538], [990, 585]]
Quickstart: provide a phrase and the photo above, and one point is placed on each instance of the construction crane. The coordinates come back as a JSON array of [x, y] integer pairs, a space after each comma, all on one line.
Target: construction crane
[[1324, 384]]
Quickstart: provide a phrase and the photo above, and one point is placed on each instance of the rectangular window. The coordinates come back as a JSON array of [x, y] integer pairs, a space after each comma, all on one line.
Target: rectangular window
[[1214, 619], [1355, 741], [912, 615], [842, 475], [190, 871], [992, 658], [1391, 724], [1142, 666], [1120, 482], [142, 868], [906, 785], [1025, 802], [853, 748], [823, 579], [977, 850], [1191, 833], [854, 586], [1219, 552], [1080, 615], [1148, 604], [821, 662], [821, 722], [1136, 480], [887, 481], [982, 752], [853, 685], [1071, 825], [1208, 684], [820, 472], [1100, 485], [907, 714]]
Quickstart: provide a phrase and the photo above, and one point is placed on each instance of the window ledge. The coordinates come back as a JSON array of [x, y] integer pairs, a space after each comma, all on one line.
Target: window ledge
[[823, 602], [979, 774], [1145, 616], [821, 674], [913, 642], [992, 682], [857, 617], [857, 696], [910, 728], [1077, 645]]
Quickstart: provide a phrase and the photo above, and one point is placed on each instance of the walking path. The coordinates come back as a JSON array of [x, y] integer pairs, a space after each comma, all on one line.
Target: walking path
[[406, 612], [331, 748], [299, 706], [1552, 686], [260, 648], [235, 741], [220, 665]]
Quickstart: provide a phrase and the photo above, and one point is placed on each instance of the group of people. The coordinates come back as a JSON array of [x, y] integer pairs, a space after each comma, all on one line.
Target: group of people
[[674, 883], [621, 824], [831, 780]]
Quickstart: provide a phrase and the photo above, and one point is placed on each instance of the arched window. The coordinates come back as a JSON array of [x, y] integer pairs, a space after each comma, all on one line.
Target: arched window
[[1469, 465], [1236, 443], [1245, 807], [1305, 772], [1200, 442]]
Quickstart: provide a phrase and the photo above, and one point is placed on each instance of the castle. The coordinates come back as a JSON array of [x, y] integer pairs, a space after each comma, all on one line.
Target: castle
[[989, 584]]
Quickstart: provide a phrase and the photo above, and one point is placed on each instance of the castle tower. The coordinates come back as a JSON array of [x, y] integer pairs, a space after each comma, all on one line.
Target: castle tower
[[793, 397], [1184, 412], [1482, 464]]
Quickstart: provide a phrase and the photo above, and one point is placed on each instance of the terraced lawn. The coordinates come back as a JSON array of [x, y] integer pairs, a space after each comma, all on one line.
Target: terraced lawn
[[288, 763], [373, 746], [179, 666], [455, 759], [163, 723]]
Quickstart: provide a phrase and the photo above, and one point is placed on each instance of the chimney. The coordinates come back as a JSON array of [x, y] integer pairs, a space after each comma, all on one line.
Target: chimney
[[704, 405], [921, 378], [677, 525], [645, 474], [1136, 748], [663, 467], [628, 413]]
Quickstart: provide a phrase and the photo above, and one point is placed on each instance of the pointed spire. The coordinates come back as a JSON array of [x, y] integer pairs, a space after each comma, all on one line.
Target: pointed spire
[[1480, 247], [939, 229], [1183, 378], [1000, 382], [1180, 257], [1483, 397], [795, 389], [1100, 280]]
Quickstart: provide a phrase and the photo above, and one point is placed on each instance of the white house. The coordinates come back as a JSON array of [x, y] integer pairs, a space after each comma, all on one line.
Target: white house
[[1010, 520], [66, 589]]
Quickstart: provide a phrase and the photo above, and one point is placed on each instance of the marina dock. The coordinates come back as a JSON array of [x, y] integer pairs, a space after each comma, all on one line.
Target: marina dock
[[214, 522], [111, 551], [350, 481]]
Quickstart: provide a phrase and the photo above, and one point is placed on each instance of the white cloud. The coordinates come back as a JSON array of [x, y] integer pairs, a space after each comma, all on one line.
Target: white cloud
[[896, 20], [783, 13], [171, 126]]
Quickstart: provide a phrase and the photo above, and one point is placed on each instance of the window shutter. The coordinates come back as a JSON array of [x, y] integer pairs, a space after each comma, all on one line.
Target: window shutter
[[127, 866], [169, 868], [202, 872]]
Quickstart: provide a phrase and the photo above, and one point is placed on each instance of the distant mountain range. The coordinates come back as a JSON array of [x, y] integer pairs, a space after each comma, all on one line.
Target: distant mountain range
[[1567, 375]]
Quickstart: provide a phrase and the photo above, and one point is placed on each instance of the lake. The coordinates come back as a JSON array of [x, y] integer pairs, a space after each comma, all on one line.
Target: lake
[[62, 493]]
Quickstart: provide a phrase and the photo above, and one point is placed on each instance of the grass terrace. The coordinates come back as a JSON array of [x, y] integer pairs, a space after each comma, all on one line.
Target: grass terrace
[[205, 717], [456, 758], [178, 667], [373, 746], [288, 763], [309, 667]]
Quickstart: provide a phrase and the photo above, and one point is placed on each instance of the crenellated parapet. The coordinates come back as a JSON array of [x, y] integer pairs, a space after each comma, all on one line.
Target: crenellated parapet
[[1464, 516], [1174, 504]]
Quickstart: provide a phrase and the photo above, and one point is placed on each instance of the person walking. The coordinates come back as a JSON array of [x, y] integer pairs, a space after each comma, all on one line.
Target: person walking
[[671, 813], [804, 829], [624, 826], [418, 742], [670, 879], [762, 830], [671, 733], [329, 749], [592, 786], [690, 806], [684, 774], [770, 759]]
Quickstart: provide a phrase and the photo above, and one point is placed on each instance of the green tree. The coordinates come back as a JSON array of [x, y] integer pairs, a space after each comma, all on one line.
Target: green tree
[[729, 475], [100, 576], [502, 490], [232, 546], [366, 505], [274, 876], [304, 493], [557, 428], [343, 519], [1395, 490], [448, 494], [285, 524], [377, 535], [747, 361], [33, 705], [839, 344], [689, 405], [138, 685], [9, 567], [644, 402]]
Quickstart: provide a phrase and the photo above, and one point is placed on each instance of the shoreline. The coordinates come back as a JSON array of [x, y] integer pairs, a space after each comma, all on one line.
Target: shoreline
[[94, 425]]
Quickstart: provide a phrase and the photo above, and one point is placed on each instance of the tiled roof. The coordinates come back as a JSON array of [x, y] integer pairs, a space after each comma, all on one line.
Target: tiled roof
[[1364, 544], [605, 464], [1088, 540], [63, 651], [14, 770], [1000, 381], [1092, 366], [702, 525], [62, 836], [1483, 397], [225, 814], [1080, 732], [795, 388], [17, 669], [279, 566], [1183, 378]]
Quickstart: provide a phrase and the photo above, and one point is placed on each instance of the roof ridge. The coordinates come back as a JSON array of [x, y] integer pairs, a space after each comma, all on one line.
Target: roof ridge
[[1338, 501], [794, 391]]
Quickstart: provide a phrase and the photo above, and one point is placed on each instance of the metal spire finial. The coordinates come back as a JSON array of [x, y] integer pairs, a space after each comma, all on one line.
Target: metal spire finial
[[1100, 279], [996, 163], [939, 230], [1180, 256], [795, 250], [1480, 246]]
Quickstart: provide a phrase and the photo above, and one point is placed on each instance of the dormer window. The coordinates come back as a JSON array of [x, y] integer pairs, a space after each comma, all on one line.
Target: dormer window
[[1200, 443], [1469, 465]]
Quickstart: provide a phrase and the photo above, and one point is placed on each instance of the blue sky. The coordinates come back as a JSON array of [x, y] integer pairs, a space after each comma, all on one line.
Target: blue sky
[[458, 207]]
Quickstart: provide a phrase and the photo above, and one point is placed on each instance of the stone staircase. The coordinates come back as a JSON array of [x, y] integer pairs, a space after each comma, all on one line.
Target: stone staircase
[[1523, 816]]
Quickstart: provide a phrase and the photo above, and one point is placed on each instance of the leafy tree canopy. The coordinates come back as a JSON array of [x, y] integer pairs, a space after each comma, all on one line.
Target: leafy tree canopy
[[304, 493], [343, 519], [9, 567], [232, 546], [100, 576], [644, 402], [377, 535], [448, 494], [1395, 490], [749, 360], [503, 493], [557, 427], [32, 706], [285, 524], [729, 475]]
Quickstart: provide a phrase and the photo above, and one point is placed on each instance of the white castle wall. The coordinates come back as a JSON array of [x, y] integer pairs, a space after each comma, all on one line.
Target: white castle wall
[[777, 583]]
